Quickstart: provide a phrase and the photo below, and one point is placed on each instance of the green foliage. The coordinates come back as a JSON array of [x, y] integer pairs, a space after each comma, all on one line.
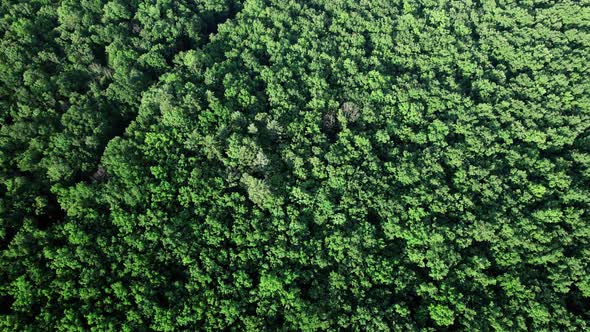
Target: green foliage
[[282, 165]]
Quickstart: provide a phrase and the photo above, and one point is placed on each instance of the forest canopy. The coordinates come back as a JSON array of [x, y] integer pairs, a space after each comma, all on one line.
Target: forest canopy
[[282, 165]]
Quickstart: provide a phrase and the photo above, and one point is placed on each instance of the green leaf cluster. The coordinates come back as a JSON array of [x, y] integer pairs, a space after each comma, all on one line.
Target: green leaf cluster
[[320, 165]]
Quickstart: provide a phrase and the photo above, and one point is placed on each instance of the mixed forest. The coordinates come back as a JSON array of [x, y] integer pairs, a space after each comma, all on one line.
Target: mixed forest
[[283, 165]]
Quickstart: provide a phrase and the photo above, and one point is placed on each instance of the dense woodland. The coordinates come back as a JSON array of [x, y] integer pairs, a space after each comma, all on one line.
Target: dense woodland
[[282, 165]]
